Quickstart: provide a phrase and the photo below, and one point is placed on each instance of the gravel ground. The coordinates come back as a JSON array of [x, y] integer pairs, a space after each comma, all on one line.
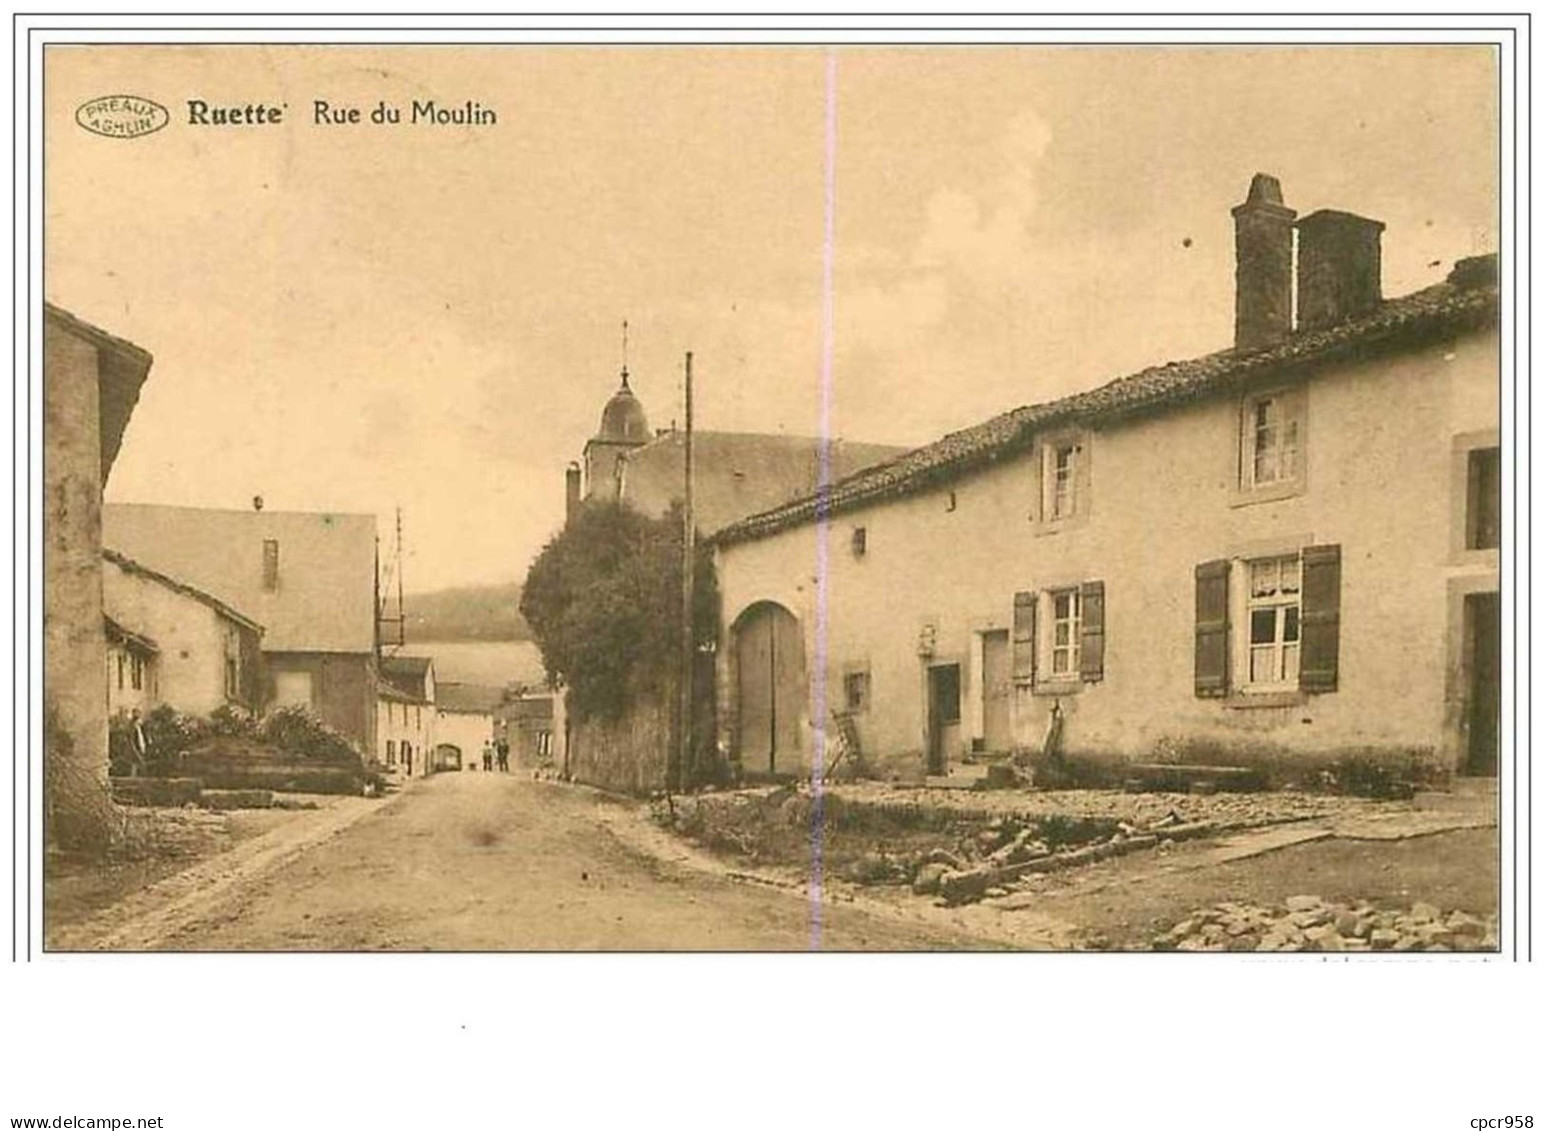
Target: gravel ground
[[1222, 810]]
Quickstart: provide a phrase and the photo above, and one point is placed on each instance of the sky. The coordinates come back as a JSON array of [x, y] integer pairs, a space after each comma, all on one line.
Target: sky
[[361, 318]]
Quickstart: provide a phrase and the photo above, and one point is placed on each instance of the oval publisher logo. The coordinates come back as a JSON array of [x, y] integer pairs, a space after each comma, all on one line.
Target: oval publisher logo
[[121, 115]]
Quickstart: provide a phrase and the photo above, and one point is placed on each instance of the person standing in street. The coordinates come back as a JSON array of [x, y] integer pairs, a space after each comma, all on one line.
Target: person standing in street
[[139, 745]]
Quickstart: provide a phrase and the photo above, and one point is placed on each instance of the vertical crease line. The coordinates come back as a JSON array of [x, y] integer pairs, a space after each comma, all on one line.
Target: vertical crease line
[[823, 517]]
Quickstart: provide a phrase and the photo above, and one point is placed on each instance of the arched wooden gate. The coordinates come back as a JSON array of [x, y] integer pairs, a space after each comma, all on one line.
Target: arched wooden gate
[[770, 689]]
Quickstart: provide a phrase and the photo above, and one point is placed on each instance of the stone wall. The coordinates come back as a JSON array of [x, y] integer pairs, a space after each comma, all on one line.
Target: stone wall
[[79, 809], [628, 755]]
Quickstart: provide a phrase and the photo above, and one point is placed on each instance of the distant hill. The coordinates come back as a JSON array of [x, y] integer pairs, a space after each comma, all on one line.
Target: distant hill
[[474, 612]]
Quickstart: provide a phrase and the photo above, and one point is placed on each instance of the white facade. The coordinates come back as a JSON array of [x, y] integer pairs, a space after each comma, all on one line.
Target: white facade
[[991, 579], [467, 731], [405, 734], [206, 657], [133, 677]]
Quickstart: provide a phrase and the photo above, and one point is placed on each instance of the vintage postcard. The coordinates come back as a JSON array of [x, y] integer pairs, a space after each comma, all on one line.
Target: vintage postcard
[[760, 497]]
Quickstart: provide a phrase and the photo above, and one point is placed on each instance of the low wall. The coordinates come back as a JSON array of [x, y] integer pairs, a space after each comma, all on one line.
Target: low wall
[[630, 754]]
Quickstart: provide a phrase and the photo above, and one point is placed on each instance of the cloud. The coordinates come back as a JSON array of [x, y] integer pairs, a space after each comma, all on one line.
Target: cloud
[[982, 234]]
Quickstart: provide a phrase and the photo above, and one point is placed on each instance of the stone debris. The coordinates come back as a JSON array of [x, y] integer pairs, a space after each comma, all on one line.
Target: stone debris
[[1147, 811], [928, 878], [1015, 853], [1309, 923]]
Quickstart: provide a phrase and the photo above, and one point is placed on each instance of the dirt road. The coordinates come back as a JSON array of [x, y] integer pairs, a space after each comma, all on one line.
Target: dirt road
[[495, 862]]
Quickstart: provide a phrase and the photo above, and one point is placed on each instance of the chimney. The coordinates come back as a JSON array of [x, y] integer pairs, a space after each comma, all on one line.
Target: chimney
[[1262, 233], [571, 478], [1339, 268]]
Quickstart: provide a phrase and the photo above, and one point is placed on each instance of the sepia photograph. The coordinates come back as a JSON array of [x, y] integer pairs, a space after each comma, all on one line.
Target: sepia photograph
[[773, 497]]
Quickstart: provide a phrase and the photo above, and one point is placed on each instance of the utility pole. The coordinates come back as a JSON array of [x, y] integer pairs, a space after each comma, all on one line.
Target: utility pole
[[401, 615], [394, 571], [380, 609], [688, 562]]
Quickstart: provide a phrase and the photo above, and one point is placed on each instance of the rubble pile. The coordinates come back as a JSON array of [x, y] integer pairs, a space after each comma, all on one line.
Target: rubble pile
[[1009, 849], [1309, 923], [1227, 811]]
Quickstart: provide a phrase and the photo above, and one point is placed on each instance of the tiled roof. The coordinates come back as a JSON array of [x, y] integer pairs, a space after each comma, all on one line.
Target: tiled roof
[[98, 337], [407, 676], [406, 665], [121, 371], [129, 565], [467, 698], [739, 473], [117, 634], [324, 600], [1467, 300]]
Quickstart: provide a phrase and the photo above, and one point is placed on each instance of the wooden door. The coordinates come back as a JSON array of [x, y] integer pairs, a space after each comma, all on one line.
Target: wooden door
[[1482, 629], [943, 715], [769, 660], [996, 692]]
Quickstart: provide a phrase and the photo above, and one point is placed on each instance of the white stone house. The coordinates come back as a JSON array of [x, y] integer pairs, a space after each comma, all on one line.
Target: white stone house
[[169, 642], [1285, 549], [405, 715]]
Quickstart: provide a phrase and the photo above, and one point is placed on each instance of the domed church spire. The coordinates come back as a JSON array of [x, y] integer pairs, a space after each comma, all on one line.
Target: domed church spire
[[624, 355], [623, 420]]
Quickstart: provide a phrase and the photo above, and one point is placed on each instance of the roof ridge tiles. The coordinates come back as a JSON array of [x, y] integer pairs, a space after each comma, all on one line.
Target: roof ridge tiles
[[1453, 304]]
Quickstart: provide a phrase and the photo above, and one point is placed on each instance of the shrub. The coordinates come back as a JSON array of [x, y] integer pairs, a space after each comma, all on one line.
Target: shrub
[[296, 731], [229, 721], [169, 735], [603, 601]]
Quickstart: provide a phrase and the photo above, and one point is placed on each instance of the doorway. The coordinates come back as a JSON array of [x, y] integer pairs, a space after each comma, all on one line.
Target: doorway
[[943, 715], [996, 692], [1482, 649], [769, 665]]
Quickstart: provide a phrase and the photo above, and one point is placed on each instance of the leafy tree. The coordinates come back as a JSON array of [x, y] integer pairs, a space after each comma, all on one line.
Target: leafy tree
[[603, 601]]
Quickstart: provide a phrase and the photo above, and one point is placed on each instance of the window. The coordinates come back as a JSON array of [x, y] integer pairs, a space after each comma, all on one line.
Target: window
[[1058, 637], [1066, 619], [1063, 478], [1269, 624], [855, 689], [1061, 481], [1271, 442], [136, 673], [391, 752], [292, 689], [1275, 608], [1483, 516], [859, 541], [121, 658], [270, 565], [418, 718]]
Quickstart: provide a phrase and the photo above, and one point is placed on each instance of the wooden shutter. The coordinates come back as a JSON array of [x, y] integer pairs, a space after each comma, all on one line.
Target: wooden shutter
[[1024, 605], [1211, 674], [1091, 647], [1319, 667]]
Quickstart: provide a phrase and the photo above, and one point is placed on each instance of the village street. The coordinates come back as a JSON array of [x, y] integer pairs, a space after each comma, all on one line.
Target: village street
[[476, 861]]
